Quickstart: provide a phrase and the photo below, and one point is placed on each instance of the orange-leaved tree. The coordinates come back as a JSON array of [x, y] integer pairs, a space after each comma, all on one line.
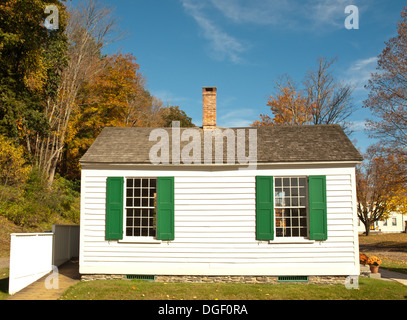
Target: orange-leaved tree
[[288, 106], [116, 97], [322, 100], [381, 186]]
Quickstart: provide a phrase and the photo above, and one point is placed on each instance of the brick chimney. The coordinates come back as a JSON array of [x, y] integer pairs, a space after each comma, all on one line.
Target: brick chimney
[[209, 107]]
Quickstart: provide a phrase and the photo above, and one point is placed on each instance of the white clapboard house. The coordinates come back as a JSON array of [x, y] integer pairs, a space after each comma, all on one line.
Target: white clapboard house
[[162, 202]]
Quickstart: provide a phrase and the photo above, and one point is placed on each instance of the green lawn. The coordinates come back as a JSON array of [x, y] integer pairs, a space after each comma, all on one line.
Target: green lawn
[[369, 289]]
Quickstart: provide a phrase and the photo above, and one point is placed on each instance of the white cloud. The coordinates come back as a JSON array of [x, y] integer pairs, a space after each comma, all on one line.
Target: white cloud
[[222, 45], [358, 125], [360, 71], [253, 11], [294, 14], [309, 16], [237, 118], [327, 12]]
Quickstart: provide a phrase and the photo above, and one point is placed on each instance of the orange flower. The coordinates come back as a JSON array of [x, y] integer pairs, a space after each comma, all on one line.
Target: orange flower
[[363, 257], [375, 261]]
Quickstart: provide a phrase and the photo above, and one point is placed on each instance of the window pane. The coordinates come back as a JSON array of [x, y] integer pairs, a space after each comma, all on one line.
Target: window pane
[[141, 207], [137, 222], [144, 192], [290, 207]]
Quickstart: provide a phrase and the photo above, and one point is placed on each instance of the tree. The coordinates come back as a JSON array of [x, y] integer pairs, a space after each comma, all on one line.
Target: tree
[[388, 90], [288, 107], [115, 97], [31, 58], [328, 100], [322, 100], [174, 113], [91, 27], [380, 186]]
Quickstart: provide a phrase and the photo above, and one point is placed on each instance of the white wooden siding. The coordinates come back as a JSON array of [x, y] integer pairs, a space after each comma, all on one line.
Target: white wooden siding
[[215, 228]]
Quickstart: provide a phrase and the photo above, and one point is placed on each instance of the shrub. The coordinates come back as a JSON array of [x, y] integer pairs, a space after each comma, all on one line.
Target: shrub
[[40, 205]]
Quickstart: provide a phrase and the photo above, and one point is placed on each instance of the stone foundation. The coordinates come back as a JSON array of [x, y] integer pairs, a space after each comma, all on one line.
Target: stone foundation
[[224, 279]]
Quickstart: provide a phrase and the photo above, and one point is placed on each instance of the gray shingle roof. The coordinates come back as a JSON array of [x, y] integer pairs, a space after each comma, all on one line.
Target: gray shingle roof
[[322, 143]]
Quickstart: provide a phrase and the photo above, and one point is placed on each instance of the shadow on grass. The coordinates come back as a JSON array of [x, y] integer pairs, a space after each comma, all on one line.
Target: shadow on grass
[[4, 288]]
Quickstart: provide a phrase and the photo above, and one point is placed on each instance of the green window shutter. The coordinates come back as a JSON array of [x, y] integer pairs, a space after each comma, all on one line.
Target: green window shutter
[[264, 208], [165, 208], [317, 208], [114, 208]]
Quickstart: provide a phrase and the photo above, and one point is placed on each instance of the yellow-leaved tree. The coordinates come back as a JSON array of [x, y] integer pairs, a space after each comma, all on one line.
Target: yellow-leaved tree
[[14, 171]]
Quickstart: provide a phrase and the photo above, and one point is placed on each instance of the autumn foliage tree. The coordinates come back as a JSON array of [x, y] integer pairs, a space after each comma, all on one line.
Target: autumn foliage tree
[[388, 90], [321, 100], [115, 97], [381, 187], [31, 59], [287, 107]]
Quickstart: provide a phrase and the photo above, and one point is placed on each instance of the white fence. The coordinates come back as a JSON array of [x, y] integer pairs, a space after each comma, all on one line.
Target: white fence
[[66, 244], [32, 255]]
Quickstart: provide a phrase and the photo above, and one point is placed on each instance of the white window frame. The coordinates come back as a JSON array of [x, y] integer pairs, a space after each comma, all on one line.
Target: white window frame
[[292, 239], [132, 238]]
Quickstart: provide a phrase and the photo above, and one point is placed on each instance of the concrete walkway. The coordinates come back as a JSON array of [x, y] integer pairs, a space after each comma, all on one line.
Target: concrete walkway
[[394, 276], [68, 276]]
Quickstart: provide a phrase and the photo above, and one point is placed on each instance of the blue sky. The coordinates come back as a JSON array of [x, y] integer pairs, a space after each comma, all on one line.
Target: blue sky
[[243, 46]]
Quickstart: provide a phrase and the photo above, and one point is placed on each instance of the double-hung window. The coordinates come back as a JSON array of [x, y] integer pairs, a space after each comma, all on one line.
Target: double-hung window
[[141, 207], [291, 207], [138, 208]]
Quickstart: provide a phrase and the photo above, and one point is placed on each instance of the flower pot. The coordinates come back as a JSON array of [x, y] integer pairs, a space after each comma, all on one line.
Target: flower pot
[[374, 269]]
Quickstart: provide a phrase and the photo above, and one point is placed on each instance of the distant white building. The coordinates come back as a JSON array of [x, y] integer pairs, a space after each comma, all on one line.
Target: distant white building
[[395, 223]]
